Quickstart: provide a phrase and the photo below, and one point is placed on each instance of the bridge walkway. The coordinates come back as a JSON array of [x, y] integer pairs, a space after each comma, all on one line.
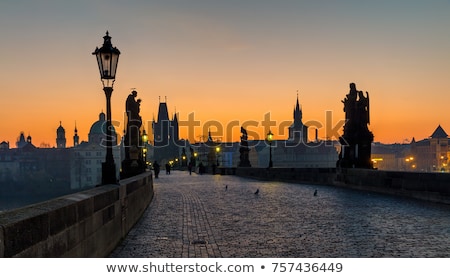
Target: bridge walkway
[[205, 216]]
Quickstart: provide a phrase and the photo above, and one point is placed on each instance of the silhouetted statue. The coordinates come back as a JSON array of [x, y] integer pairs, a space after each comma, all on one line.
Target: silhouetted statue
[[363, 109], [133, 163], [356, 140], [132, 136], [350, 102], [244, 150], [131, 105]]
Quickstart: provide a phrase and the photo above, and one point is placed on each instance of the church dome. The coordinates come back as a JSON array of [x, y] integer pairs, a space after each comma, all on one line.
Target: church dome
[[98, 129]]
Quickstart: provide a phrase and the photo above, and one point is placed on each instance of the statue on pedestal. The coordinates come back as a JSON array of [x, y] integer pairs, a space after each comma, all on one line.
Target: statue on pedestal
[[132, 164], [357, 139], [244, 150]]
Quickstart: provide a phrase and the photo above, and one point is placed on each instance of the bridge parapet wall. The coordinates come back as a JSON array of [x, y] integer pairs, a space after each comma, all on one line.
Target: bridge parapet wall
[[302, 175], [433, 187], [85, 224], [425, 186]]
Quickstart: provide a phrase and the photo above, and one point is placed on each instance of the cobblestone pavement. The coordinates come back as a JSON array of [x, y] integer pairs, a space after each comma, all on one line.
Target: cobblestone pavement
[[203, 216]]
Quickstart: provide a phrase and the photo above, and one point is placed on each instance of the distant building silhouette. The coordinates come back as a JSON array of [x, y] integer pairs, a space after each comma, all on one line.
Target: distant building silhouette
[[86, 164], [76, 138], [298, 131], [295, 151], [166, 136], [21, 142], [4, 145], [60, 137], [389, 156], [431, 154], [31, 171]]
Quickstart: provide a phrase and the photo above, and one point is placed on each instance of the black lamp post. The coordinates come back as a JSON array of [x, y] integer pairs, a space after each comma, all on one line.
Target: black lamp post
[[217, 155], [144, 148], [107, 59], [269, 139]]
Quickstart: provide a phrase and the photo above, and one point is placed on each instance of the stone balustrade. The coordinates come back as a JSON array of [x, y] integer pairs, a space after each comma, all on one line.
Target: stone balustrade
[[85, 224], [433, 187]]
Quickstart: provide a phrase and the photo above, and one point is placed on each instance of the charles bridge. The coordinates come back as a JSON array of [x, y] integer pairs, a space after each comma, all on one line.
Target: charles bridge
[[181, 215]]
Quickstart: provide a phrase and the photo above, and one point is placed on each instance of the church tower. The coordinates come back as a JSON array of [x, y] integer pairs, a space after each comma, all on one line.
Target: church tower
[[298, 131], [175, 128], [161, 128], [165, 134], [60, 137], [76, 139]]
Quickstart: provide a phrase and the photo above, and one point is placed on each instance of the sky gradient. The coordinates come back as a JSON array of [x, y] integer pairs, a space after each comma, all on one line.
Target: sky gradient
[[225, 61]]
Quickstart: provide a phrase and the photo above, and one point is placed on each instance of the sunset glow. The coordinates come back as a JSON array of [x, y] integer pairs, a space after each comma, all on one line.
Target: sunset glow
[[227, 63]]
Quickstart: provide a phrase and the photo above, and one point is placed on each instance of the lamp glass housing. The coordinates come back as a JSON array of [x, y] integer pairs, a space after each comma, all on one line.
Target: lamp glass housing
[[107, 60]]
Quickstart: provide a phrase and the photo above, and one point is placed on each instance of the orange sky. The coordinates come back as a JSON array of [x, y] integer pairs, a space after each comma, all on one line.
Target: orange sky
[[226, 61]]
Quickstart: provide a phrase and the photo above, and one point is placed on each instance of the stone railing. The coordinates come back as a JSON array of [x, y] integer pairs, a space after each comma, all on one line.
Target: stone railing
[[304, 175], [85, 224], [433, 187]]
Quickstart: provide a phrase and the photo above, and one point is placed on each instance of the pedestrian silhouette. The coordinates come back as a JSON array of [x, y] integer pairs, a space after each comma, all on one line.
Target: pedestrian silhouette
[[156, 168], [167, 169], [315, 192], [257, 191], [190, 168], [226, 187]]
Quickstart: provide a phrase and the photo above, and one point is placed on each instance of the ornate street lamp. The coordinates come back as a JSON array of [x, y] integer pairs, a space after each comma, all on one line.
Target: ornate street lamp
[[144, 137], [107, 59], [217, 155], [194, 159], [144, 148], [269, 139]]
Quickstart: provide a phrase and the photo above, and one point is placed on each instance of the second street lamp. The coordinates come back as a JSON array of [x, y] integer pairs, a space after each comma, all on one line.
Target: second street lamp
[[144, 148], [217, 155], [107, 60], [269, 139]]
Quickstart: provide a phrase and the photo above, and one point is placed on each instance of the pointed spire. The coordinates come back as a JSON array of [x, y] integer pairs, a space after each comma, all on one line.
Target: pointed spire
[[209, 136], [298, 114], [76, 138]]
